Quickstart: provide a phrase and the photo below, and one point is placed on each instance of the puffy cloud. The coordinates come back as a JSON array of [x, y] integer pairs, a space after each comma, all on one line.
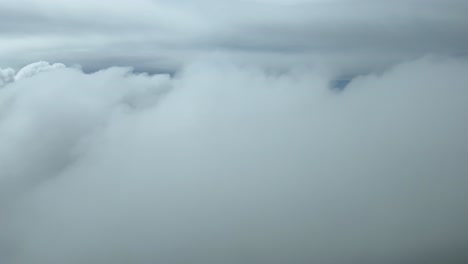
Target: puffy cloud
[[9, 75], [42, 118], [231, 164], [243, 154], [6, 76], [35, 68]]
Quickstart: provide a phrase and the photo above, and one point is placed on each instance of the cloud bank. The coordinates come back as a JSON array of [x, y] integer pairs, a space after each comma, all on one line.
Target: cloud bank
[[224, 163]]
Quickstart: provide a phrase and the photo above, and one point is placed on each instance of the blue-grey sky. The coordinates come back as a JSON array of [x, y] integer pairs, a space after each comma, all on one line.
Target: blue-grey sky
[[157, 35]]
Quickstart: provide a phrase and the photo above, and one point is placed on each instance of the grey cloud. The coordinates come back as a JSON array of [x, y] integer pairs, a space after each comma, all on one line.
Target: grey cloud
[[230, 164], [381, 33], [223, 143]]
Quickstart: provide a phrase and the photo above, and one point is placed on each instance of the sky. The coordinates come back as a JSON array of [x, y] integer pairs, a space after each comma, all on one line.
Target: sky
[[349, 36], [207, 132]]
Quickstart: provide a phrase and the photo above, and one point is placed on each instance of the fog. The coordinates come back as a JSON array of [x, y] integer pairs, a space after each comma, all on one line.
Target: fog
[[229, 163]]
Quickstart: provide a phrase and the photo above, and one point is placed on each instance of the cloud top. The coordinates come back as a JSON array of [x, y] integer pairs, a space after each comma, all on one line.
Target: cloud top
[[35, 68], [223, 163]]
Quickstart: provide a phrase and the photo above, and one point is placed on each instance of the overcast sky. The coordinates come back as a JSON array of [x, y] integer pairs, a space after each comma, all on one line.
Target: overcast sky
[[207, 132], [152, 35]]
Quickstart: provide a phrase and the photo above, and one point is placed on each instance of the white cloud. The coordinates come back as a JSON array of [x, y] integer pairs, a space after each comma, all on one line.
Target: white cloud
[[6, 76], [35, 68], [243, 154], [229, 164]]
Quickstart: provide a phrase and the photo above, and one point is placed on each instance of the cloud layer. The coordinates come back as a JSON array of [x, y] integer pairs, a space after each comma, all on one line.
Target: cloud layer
[[220, 131], [234, 164], [351, 36]]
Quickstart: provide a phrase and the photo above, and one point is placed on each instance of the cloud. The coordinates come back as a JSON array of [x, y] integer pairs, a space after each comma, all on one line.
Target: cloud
[[235, 164], [6, 76], [352, 36], [9, 75], [223, 143], [44, 113], [35, 68]]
